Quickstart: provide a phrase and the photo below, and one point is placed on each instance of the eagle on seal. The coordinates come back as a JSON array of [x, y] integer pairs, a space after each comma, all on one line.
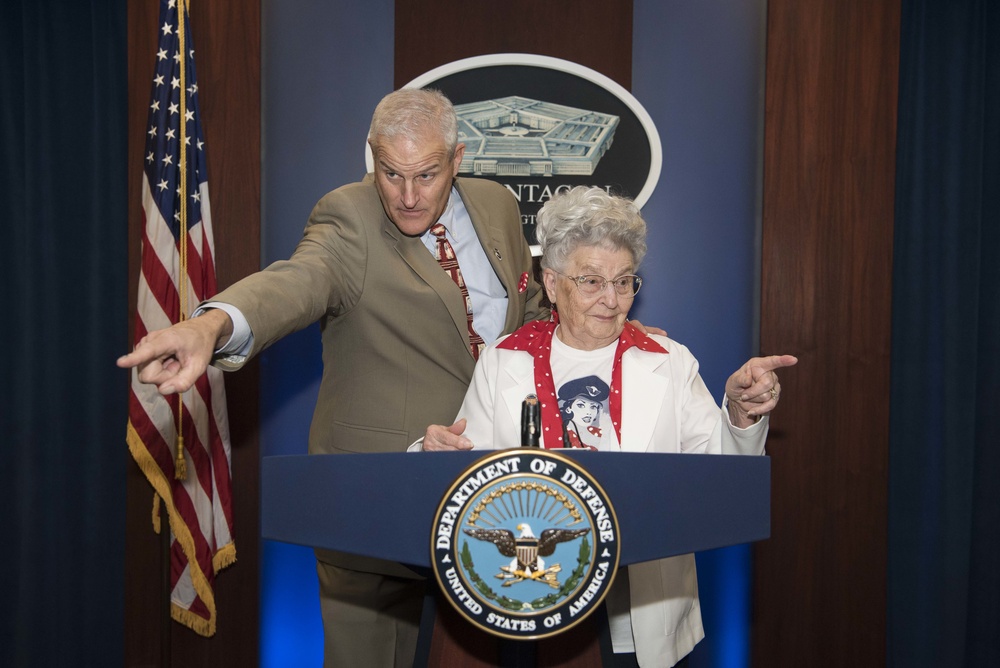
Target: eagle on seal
[[527, 550]]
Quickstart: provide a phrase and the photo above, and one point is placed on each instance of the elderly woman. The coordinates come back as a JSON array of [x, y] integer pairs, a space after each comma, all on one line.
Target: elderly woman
[[592, 245]]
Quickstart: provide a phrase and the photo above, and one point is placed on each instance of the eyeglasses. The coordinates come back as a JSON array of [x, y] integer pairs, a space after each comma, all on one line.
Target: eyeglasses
[[626, 285]]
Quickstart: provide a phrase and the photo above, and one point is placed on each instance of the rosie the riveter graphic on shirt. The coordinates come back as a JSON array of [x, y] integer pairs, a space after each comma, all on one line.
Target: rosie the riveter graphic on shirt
[[583, 402]]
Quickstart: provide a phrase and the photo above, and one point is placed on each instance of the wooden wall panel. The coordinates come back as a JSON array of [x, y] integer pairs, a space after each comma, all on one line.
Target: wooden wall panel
[[227, 43], [829, 174], [595, 33]]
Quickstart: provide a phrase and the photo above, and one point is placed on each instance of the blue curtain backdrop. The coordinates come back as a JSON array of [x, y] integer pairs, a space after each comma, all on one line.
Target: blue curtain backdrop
[[64, 292], [944, 522]]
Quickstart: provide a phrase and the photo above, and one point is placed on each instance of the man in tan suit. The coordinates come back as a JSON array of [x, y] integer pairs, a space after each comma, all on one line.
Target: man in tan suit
[[398, 354]]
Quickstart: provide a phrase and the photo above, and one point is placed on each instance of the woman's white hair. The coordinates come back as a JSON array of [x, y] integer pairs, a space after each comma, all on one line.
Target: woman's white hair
[[410, 112], [587, 216]]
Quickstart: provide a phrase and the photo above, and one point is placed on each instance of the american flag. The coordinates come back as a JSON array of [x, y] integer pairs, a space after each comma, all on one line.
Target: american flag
[[178, 272]]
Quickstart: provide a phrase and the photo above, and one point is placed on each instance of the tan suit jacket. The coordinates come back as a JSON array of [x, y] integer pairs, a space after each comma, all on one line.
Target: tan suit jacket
[[396, 354]]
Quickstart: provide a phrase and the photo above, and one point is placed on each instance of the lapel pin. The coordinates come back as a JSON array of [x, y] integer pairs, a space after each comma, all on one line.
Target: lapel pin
[[496, 251]]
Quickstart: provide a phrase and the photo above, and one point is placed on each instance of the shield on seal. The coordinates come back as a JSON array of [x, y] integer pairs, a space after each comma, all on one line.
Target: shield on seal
[[527, 552]]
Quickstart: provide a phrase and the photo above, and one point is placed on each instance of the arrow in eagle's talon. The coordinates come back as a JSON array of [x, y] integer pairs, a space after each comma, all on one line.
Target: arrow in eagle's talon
[[525, 550]]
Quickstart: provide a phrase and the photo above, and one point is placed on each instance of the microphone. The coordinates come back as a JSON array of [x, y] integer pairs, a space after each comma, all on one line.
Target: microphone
[[530, 422]]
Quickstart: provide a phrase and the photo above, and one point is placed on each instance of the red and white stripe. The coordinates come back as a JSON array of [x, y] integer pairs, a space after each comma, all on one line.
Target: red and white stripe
[[199, 507]]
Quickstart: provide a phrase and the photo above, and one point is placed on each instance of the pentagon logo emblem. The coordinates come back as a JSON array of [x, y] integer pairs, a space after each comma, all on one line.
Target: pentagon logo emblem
[[525, 544]]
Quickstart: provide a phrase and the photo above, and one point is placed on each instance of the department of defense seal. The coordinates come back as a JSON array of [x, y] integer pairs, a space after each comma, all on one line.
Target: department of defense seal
[[525, 543]]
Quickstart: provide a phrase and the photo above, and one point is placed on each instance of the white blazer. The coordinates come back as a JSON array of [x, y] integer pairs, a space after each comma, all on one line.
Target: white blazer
[[665, 408]]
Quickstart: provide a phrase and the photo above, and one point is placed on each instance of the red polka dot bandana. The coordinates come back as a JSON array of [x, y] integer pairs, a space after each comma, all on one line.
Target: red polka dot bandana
[[535, 338]]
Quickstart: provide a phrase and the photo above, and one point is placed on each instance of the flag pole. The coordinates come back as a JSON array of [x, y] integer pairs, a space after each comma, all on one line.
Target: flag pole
[[180, 467]]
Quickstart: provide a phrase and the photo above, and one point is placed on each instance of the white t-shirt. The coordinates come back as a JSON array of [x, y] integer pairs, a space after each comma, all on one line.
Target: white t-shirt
[[583, 380]]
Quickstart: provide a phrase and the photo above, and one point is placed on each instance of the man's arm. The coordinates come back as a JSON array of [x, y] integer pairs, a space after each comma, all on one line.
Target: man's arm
[[440, 437], [175, 357]]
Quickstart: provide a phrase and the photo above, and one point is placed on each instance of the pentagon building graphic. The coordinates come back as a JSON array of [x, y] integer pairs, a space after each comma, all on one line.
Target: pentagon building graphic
[[516, 136]]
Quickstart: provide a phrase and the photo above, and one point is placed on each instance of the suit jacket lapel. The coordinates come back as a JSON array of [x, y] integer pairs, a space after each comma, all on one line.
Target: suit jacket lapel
[[519, 370], [495, 248], [489, 236], [642, 398], [414, 253]]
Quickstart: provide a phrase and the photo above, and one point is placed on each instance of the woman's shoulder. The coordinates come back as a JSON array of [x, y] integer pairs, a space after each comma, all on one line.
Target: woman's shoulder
[[496, 349], [674, 351]]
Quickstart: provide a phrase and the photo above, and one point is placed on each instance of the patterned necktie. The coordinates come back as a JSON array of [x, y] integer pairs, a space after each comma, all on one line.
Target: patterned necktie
[[446, 258]]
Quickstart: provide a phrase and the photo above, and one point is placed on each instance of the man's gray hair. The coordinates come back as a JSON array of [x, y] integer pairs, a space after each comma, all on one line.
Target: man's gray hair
[[410, 113], [585, 216]]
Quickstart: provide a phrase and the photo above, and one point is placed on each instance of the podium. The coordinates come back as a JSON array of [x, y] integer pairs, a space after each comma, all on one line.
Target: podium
[[383, 505]]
